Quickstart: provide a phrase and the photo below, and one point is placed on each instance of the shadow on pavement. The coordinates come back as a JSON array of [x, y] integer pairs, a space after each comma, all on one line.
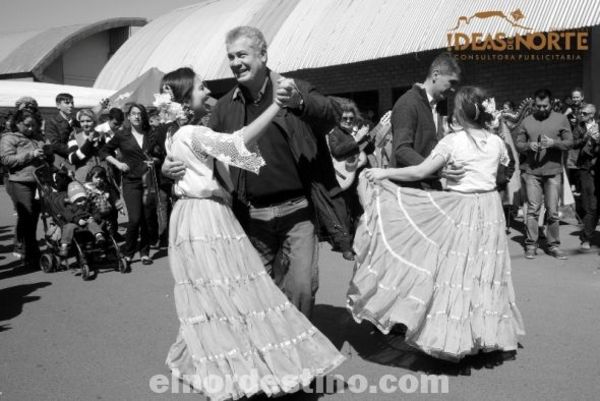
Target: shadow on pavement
[[14, 269], [12, 300], [391, 350]]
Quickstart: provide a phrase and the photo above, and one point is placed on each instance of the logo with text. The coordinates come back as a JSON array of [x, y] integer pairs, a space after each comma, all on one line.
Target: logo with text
[[518, 42]]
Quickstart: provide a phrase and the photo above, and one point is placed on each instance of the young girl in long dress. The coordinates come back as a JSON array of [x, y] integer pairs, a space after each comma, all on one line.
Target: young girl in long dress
[[438, 262], [235, 322]]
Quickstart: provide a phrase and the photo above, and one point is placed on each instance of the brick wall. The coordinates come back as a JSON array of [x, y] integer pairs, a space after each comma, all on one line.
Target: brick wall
[[504, 80]]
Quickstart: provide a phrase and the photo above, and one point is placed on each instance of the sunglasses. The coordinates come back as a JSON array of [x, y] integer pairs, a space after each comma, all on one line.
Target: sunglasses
[[347, 118]]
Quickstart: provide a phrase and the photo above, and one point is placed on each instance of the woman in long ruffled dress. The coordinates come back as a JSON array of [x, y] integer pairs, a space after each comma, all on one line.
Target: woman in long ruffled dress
[[438, 262], [237, 328]]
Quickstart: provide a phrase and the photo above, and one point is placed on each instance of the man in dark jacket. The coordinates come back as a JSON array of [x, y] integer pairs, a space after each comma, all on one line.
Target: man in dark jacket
[[295, 194], [58, 128], [586, 141], [417, 122]]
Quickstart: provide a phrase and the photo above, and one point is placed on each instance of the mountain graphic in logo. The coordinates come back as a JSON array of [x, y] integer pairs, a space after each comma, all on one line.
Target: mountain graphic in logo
[[514, 18]]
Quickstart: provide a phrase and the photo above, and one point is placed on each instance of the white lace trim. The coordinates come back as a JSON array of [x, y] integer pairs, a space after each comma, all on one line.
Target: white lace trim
[[235, 352], [228, 282], [227, 148], [471, 313], [236, 319], [494, 283], [213, 238]]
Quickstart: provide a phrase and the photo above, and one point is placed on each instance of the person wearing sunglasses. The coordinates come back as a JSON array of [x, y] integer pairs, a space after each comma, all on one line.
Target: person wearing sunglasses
[[586, 143], [574, 106]]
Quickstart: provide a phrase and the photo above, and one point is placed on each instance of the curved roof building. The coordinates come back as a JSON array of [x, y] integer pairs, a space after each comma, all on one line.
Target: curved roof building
[[73, 54], [309, 34]]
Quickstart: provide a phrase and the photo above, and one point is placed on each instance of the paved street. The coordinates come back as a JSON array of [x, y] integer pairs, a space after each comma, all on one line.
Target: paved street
[[65, 339]]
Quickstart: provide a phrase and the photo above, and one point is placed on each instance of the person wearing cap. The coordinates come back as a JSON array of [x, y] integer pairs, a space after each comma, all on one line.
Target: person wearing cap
[[75, 212]]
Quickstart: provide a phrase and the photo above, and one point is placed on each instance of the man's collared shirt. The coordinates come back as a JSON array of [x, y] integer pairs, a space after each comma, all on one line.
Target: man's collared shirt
[[238, 93], [433, 104]]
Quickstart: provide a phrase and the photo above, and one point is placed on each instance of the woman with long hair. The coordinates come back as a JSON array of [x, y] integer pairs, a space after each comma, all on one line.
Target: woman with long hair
[[438, 262], [178, 85], [134, 142], [21, 152], [237, 328]]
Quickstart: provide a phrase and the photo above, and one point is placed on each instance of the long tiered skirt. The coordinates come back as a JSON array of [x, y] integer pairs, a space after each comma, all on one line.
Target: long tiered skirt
[[235, 322], [437, 262]]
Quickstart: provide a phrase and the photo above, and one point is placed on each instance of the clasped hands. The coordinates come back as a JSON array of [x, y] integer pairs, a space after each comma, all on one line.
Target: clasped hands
[[84, 222], [287, 94], [545, 143]]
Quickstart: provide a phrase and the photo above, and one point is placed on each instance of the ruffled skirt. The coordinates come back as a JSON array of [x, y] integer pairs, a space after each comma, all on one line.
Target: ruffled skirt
[[237, 327], [437, 262]]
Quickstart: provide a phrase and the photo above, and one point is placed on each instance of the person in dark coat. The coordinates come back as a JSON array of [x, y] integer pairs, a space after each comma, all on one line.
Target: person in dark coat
[[296, 193], [134, 143], [58, 129], [417, 123]]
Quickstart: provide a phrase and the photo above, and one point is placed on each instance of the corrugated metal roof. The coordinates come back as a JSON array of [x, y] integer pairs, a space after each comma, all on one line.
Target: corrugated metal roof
[[31, 51], [192, 36], [318, 33]]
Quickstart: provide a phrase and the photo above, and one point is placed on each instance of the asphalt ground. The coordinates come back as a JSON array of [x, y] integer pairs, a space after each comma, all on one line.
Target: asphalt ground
[[62, 338]]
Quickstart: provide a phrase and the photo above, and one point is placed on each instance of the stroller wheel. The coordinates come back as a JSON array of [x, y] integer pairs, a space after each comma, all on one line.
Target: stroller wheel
[[124, 265], [86, 274], [57, 262], [47, 263]]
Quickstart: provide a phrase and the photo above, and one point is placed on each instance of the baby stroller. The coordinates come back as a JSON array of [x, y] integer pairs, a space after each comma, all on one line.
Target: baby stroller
[[83, 247]]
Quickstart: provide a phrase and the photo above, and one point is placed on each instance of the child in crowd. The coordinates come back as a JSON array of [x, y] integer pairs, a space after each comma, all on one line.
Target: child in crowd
[[104, 197], [75, 211]]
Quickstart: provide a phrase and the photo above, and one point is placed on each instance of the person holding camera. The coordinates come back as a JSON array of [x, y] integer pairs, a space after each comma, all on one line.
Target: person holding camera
[[21, 152], [84, 145]]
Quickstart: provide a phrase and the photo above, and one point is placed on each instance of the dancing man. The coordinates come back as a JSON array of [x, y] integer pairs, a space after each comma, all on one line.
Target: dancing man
[[279, 206], [417, 123]]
